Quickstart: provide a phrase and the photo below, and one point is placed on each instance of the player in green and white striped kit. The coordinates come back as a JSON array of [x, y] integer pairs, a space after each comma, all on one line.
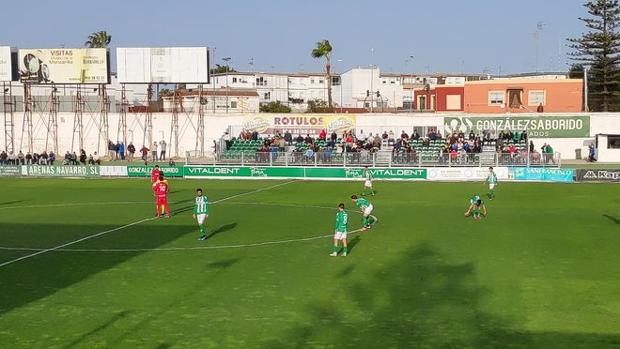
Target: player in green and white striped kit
[[201, 213], [492, 181], [476, 209], [368, 220], [340, 231], [368, 182]]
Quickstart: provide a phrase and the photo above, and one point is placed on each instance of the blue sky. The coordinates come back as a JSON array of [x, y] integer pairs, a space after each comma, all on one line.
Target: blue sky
[[449, 35]]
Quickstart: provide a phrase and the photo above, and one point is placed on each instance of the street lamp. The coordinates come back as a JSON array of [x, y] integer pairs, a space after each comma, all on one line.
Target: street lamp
[[410, 60], [226, 60], [340, 80], [372, 76]]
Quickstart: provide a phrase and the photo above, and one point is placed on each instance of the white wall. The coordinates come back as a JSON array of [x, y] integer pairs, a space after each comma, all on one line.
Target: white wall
[[216, 125]]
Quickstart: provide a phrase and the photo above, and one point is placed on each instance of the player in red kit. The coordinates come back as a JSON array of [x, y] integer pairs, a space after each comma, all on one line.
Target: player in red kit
[[155, 174], [161, 189]]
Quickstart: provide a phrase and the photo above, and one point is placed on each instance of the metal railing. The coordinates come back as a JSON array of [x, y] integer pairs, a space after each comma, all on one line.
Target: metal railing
[[382, 159]]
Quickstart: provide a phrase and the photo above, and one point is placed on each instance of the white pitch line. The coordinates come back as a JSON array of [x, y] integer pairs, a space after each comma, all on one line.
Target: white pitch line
[[88, 237]]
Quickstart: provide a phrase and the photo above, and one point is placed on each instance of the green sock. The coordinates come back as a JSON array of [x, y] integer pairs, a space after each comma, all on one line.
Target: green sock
[[344, 249], [492, 193], [365, 221], [203, 230], [371, 220], [335, 248]]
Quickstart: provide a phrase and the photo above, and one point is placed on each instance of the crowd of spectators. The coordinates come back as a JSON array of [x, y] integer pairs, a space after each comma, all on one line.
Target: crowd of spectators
[[48, 158]]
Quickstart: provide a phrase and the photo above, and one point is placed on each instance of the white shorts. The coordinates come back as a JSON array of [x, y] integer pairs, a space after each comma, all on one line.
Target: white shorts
[[491, 186], [340, 235], [368, 210], [368, 184], [201, 218]]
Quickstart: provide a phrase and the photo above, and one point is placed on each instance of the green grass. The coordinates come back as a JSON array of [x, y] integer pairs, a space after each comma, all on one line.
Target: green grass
[[540, 272]]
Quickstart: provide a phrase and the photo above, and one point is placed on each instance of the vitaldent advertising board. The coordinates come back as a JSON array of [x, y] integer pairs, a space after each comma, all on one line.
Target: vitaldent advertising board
[[536, 126], [302, 172], [64, 66], [163, 65]]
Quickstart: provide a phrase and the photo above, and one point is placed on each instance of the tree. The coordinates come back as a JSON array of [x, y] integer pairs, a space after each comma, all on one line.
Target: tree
[[221, 69], [100, 39], [575, 71], [275, 107], [599, 50], [323, 49], [318, 106]]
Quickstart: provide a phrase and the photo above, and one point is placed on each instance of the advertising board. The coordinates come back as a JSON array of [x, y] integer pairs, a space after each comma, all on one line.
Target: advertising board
[[64, 66], [163, 65]]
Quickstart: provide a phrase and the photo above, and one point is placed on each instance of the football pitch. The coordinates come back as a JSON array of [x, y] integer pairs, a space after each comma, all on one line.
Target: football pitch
[[83, 264]]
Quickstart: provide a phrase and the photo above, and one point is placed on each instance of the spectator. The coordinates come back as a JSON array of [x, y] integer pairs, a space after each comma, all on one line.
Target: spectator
[[43, 158], [74, 159], [415, 135], [111, 150], [540, 108], [288, 137], [162, 148], [20, 158], [131, 150], [83, 157], [4, 158], [51, 158], [121, 150], [154, 152], [334, 136], [144, 151], [299, 139], [96, 159], [117, 148], [404, 135], [391, 136], [472, 135], [591, 153], [12, 159], [28, 158], [384, 135], [308, 139], [323, 135], [532, 147]]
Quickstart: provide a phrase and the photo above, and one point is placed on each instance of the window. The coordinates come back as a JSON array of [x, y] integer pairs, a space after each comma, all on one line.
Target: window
[[267, 96], [234, 80], [613, 142], [261, 81], [321, 82], [536, 98], [312, 81], [335, 80], [514, 98], [383, 81], [233, 104], [392, 82], [453, 102], [496, 98]]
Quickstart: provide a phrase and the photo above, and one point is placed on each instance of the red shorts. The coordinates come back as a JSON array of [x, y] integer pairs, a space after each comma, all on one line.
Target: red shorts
[[162, 200]]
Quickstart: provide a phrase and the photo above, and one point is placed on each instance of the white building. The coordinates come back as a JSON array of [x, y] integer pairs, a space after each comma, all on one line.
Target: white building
[[292, 89], [218, 101], [367, 88]]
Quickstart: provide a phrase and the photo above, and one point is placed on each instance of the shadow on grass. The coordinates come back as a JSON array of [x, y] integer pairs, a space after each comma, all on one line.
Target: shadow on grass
[[31, 279], [222, 229], [420, 301], [7, 203], [612, 218], [98, 329], [352, 243]]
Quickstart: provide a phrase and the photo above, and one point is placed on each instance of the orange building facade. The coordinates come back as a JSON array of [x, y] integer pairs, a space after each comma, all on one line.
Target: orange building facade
[[523, 96]]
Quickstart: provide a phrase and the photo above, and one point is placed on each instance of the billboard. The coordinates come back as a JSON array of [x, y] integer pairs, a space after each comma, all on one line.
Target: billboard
[[64, 66], [300, 124], [542, 174], [163, 65], [8, 64], [328, 173], [536, 126], [596, 175]]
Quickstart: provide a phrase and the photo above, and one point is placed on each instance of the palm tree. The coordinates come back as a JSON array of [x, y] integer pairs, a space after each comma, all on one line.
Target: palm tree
[[99, 39], [323, 49]]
